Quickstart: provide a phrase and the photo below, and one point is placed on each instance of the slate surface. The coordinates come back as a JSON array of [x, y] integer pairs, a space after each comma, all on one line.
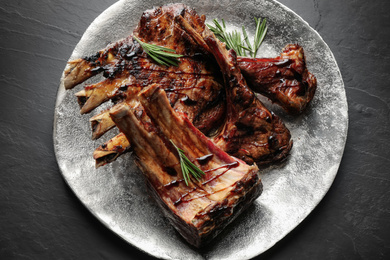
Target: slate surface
[[42, 219]]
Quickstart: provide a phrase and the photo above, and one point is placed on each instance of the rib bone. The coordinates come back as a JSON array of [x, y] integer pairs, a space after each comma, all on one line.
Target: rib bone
[[200, 210]]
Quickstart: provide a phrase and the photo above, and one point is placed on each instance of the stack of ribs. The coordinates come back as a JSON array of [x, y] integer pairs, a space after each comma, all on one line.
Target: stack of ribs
[[206, 106]]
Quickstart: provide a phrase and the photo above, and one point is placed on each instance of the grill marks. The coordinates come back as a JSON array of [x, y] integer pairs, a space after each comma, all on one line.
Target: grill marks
[[285, 80], [197, 87], [248, 123], [200, 210], [194, 88], [205, 95]]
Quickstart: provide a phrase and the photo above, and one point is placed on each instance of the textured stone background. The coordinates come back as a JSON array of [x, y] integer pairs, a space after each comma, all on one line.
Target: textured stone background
[[42, 219]]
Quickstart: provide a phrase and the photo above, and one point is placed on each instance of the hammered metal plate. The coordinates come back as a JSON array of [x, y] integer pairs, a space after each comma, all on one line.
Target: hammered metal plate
[[116, 193]]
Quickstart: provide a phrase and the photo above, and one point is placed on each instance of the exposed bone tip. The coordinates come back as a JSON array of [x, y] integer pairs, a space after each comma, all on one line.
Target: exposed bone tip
[[81, 93], [119, 111], [99, 164], [68, 82], [95, 136]]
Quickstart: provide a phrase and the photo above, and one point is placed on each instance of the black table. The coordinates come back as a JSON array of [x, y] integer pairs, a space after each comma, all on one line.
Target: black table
[[42, 219]]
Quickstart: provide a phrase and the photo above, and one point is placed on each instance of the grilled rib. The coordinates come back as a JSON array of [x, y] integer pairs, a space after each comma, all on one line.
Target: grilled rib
[[202, 209], [195, 87], [285, 80], [111, 150], [251, 132]]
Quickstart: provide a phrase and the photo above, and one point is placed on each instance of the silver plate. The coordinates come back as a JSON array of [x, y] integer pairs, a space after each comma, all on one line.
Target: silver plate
[[116, 194]]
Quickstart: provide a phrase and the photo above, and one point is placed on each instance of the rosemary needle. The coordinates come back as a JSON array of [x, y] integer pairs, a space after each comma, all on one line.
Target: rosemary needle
[[234, 40], [261, 30], [162, 55], [187, 167]]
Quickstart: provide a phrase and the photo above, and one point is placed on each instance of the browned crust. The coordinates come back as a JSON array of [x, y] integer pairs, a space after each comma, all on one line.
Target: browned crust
[[154, 155], [285, 80], [111, 150]]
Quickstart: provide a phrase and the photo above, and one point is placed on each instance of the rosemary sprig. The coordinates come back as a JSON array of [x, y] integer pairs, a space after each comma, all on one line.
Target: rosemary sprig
[[161, 55], [234, 40], [187, 167], [261, 30]]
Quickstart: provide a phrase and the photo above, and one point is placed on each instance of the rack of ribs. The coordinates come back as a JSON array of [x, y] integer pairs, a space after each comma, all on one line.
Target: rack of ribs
[[206, 106], [201, 209], [195, 87]]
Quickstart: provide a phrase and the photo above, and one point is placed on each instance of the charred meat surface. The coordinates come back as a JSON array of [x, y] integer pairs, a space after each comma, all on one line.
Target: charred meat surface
[[250, 132], [194, 87], [203, 106], [285, 80], [111, 150], [202, 209]]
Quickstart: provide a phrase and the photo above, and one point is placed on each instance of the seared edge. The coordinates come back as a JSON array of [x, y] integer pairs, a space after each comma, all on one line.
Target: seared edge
[[198, 211]]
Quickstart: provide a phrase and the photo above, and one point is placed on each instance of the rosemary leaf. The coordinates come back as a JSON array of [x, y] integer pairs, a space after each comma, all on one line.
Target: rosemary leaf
[[162, 55], [234, 41], [246, 48], [246, 38], [261, 30], [170, 61], [158, 60], [187, 167], [167, 54]]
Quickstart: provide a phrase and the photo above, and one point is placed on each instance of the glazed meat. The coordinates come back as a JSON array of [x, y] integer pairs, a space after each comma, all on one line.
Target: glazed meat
[[197, 87], [204, 107], [285, 80], [251, 132], [194, 87], [202, 209]]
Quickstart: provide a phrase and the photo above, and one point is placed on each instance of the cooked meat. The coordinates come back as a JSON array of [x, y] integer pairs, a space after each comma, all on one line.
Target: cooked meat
[[284, 80], [251, 132], [111, 150], [195, 87], [203, 106], [202, 209]]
